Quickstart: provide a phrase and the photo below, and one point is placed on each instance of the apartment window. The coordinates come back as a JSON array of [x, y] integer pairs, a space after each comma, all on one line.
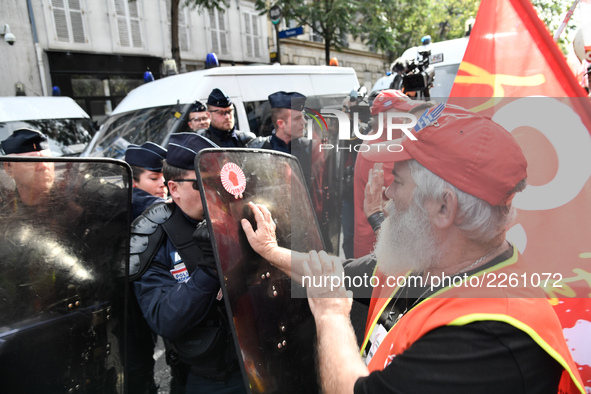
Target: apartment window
[[183, 25], [219, 32], [68, 21], [128, 23], [315, 37], [252, 34]]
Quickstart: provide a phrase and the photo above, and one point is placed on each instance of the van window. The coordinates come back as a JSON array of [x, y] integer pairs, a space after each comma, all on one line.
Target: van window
[[67, 137], [136, 127], [258, 114]]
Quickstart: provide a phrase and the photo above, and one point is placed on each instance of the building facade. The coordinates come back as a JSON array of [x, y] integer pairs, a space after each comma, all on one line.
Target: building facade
[[96, 51]]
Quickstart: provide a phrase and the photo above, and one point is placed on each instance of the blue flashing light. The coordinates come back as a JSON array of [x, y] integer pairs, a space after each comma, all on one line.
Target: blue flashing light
[[426, 40], [148, 76], [211, 60], [56, 91]]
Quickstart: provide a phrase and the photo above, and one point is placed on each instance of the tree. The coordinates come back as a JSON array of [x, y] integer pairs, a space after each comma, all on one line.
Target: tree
[[330, 19], [174, 21], [552, 14], [387, 25]]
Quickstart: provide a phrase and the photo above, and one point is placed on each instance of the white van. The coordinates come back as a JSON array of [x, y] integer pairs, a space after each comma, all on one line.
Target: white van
[[446, 57], [153, 111], [66, 124]]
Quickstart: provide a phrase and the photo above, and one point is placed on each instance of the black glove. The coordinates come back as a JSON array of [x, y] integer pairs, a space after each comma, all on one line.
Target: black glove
[[201, 235]]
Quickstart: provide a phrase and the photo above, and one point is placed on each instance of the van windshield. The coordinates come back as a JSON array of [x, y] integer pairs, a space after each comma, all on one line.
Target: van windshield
[[444, 80], [67, 137], [136, 127]]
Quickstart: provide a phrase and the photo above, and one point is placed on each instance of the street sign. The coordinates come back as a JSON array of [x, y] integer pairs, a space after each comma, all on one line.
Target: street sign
[[275, 14], [291, 32]]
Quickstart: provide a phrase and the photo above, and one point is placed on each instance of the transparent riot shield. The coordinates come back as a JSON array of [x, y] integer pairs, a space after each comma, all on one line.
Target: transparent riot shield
[[64, 226], [319, 155], [273, 325]]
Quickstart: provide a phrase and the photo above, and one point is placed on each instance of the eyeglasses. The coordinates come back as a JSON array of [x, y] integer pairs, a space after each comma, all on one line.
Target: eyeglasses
[[203, 119], [224, 113], [195, 184]]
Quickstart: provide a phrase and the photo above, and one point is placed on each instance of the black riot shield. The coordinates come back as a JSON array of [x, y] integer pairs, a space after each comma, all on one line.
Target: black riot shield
[[64, 241], [273, 325]]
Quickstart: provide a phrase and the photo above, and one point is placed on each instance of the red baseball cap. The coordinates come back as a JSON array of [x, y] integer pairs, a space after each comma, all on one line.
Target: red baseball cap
[[468, 150], [389, 99]]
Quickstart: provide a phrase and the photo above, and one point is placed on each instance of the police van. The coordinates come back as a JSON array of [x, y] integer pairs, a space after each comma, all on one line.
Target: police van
[[153, 111], [67, 126], [445, 58]]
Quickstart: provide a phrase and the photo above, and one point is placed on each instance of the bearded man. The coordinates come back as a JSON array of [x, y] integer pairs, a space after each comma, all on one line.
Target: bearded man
[[448, 214]]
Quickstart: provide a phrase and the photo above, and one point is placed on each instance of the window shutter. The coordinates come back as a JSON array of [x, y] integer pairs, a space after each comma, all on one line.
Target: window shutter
[[248, 34], [222, 32], [121, 15], [255, 35], [69, 24], [61, 22], [128, 23], [76, 22], [215, 46]]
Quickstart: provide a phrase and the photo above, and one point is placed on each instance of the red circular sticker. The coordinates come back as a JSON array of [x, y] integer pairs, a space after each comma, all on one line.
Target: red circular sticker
[[233, 179]]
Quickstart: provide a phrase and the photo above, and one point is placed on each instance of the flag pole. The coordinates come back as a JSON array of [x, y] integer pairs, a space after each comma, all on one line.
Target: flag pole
[[569, 13]]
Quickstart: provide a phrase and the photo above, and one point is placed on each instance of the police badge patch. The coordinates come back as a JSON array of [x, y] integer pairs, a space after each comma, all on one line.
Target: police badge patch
[[179, 272]]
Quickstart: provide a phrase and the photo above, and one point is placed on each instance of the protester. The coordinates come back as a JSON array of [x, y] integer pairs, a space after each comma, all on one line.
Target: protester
[[198, 117], [176, 282], [148, 182], [386, 101], [222, 130], [448, 214]]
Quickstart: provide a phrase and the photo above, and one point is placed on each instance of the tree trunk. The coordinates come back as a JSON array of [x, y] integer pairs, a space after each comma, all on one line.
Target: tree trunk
[[174, 33], [327, 50]]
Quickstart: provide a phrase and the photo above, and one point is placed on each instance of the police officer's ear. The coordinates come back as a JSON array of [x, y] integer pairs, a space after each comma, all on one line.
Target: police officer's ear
[[8, 168], [173, 189]]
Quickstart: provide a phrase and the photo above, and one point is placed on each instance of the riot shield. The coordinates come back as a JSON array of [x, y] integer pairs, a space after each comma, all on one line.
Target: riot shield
[[273, 325], [64, 241], [320, 160]]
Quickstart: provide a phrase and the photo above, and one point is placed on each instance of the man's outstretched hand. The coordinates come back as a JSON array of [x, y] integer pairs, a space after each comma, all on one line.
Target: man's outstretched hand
[[263, 240]]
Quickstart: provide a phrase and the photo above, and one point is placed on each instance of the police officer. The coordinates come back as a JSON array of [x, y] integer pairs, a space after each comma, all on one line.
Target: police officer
[[198, 117], [288, 122], [33, 181], [148, 182], [222, 130], [287, 136], [148, 189], [175, 279]]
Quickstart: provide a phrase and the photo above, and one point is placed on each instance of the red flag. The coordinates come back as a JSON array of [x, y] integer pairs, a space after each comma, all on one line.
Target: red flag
[[511, 55]]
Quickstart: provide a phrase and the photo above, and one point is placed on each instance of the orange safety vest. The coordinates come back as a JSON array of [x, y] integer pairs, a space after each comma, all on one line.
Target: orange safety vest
[[534, 316]]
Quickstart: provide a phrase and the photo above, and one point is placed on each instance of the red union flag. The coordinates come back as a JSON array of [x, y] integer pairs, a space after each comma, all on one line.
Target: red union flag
[[512, 66]]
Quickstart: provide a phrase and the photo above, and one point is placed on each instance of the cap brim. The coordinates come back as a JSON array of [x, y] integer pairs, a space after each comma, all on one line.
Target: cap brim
[[386, 152]]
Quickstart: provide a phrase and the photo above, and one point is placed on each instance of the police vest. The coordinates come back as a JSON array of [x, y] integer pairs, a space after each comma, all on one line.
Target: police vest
[[534, 316]]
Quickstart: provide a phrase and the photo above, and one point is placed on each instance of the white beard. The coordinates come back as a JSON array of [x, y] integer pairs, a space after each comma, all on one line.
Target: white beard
[[406, 241]]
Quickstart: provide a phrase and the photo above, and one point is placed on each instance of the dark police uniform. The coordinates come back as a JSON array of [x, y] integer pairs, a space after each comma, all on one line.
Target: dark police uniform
[[141, 341], [178, 288], [225, 138]]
